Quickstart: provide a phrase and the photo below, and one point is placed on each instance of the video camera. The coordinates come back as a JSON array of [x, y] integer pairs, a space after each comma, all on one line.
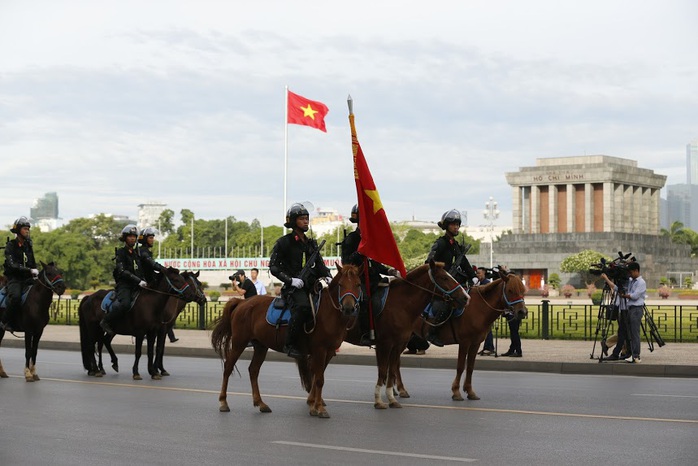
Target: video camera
[[616, 270]]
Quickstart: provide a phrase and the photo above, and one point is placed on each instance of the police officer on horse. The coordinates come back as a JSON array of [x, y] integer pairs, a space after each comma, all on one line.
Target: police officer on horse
[[150, 267], [128, 274], [288, 258], [447, 250], [20, 270], [351, 255]]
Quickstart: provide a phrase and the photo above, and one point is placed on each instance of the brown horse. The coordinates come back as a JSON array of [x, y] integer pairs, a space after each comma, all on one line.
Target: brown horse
[[487, 304], [174, 306], [144, 318], [245, 320], [34, 316], [407, 299]]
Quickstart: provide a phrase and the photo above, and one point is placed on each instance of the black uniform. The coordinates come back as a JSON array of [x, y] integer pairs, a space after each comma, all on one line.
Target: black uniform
[[150, 267], [128, 273], [19, 260], [288, 258]]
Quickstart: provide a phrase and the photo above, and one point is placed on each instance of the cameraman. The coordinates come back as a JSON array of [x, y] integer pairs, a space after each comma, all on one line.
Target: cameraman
[[243, 286], [635, 300]]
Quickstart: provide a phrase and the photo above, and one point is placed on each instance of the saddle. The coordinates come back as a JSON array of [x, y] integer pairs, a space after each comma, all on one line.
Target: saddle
[[3, 296], [279, 311], [110, 298], [428, 312]]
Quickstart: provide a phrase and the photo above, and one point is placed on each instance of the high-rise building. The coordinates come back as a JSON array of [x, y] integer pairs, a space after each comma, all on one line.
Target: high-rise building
[[692, 163], [44, 212], [149, 213]]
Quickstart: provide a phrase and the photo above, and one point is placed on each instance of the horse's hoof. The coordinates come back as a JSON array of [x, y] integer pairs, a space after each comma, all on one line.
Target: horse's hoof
[[404, 394], [156, 376], [264, 409], [98, 374], [35, 377], [380, 405], [137, 377], [314, 412], [102, 372], [395, 404], [473, 397], [91, 373], [224, 409], [323, 415], [164, 373], [3, 375], [115, 367], [29, 379], [457, 398]]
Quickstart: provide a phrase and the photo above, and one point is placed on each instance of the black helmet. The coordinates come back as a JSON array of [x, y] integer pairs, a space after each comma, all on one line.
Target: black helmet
[[19, 223], [128, 230], [145, 232], [295, 211], [354, 214], [452, 216]]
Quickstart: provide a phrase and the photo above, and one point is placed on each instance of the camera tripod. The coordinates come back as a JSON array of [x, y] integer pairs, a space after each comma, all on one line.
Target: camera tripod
[[608, 313]]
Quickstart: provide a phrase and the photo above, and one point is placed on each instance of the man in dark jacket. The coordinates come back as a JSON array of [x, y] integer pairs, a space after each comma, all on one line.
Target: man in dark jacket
[[128, 274], [20, 270], [150, 268], [351, 255], [288, 258]]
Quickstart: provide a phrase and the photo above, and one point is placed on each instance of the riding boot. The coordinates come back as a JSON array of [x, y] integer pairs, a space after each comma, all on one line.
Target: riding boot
[[290, 347], [432, 337], [364, 328]]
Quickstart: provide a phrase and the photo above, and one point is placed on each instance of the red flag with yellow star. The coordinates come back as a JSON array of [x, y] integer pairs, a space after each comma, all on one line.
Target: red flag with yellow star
[[377, 240], [306, 112]]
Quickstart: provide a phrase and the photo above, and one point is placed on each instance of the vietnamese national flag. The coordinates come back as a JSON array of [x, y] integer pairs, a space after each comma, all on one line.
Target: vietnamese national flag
[[306, 112], [377, 240]]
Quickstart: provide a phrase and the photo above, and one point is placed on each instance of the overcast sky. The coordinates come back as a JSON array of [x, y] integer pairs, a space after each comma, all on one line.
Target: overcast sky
[[115, 103]]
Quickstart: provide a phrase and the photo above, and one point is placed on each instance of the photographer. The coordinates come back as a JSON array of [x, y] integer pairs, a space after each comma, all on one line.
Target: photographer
[[242, 285], [629, 324]]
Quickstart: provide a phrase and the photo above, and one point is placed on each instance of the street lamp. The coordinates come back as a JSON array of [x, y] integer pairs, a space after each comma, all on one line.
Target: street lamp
[[491, 213]]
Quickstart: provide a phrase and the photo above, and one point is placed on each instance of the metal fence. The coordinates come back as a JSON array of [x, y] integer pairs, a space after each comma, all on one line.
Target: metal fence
[[676, 323]]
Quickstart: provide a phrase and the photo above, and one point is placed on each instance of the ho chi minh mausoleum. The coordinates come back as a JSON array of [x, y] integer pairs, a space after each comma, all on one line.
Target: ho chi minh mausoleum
[[565, 205]]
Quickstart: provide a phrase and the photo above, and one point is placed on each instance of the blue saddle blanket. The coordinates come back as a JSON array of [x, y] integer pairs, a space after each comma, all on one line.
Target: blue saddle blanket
[[429, 311], [110, 298], [3, 295], [277, 316]]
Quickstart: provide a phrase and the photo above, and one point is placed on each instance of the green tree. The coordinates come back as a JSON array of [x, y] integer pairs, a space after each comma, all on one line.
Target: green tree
[[581, 263], [166, 222]]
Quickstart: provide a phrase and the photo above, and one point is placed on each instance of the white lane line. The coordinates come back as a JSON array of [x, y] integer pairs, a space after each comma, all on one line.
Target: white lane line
[[666, 396], [376, 452]]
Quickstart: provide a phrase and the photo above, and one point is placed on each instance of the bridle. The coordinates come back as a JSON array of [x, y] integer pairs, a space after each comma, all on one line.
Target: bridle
[[49, 283], [443, 293], [341, 296], [509, 304]]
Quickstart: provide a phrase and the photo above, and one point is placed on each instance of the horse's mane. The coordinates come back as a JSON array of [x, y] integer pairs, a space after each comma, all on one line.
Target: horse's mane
[[422, 268]]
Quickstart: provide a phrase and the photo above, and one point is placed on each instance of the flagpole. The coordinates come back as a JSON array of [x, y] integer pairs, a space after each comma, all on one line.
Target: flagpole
[[283, 212]]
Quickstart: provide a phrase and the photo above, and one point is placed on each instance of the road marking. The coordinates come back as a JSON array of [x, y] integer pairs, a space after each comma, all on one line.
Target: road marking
[[666, 396], [409, 405], [376, 452]]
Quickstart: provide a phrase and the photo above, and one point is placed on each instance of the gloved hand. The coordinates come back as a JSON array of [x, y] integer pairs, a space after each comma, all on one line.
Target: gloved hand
[[394, 272], [326, 280], [143, 284], [34, 272], [297, 283]]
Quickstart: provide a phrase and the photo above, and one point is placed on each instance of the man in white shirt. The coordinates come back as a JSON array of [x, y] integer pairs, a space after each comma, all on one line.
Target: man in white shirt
[[261, 290]]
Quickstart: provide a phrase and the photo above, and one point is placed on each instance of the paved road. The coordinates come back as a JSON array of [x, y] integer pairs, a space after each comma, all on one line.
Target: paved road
[[523, 418]]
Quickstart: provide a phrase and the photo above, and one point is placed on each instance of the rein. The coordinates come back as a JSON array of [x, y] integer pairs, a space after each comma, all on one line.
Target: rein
[[179, 291], [504, 298]]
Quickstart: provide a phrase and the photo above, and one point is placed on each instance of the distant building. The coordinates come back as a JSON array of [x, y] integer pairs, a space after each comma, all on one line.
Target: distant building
[[149, 214], [692, 163], [326, 220], [682, 199], [44, 212]]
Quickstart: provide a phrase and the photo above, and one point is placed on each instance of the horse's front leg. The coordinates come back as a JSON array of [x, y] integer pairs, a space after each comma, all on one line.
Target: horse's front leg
[[258, 357], [138, 351], [29, 358], [154, 373], [318, 362], [160, 351], [460, 366], [382, 361], [3, 374], [402, 391], [468, 386], [392, 375], [114, 360]]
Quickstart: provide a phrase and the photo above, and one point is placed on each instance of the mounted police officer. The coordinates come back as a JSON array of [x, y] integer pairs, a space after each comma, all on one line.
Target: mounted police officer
[[447, 250], [128, 274], [351, 255], [288, 258], [150, 267], [20, 270]]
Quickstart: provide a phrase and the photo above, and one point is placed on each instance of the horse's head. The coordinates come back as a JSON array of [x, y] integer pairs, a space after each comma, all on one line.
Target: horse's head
[[513, 293], [51, 277], [448, 287], [193, 279], [348, 285], [177, 285]]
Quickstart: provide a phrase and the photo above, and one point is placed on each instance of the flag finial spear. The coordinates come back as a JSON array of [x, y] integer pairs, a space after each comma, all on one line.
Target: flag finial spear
[[350, 103]]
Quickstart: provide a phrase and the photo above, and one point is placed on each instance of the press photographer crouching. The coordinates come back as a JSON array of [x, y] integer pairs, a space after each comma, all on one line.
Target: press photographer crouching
[[632, 304]]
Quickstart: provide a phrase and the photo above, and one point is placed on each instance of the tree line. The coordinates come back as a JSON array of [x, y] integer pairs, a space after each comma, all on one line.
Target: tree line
[[84, 248]]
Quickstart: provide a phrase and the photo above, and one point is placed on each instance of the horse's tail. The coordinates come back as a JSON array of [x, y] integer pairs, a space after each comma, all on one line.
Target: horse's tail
[[222, 334], [86, 345], [304, 372]]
